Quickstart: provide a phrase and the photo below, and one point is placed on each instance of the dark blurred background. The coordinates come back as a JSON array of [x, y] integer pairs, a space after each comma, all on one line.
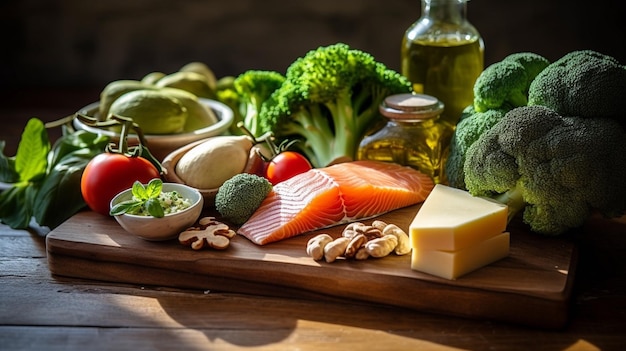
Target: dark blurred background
[[65, 51]]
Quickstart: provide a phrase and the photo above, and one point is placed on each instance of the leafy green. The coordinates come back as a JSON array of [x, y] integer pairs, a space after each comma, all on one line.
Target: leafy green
[[45, 180], [59, 196], [143, 196], [7, 166]]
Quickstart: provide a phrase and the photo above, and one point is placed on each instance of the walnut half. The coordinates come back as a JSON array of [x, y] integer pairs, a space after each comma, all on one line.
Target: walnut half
[[209, 234]]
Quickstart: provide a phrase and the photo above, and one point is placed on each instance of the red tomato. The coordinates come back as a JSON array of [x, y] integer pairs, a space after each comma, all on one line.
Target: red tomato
[[108, 174], [286, 165]]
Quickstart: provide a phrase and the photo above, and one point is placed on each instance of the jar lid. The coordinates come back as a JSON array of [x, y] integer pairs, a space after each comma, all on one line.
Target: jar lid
[[411, 106]]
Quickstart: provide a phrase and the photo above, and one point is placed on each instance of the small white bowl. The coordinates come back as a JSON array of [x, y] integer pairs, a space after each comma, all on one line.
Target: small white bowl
[[167, 227], [162, 144]]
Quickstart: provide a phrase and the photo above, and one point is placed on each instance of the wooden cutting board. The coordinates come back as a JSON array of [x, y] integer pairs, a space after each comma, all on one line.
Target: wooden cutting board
[[532, 286]]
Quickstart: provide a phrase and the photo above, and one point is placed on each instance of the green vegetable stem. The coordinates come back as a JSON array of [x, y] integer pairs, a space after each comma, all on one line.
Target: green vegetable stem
[[122, 147]]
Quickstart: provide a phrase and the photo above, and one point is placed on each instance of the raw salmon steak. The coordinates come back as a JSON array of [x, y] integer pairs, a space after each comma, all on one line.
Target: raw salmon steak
[[342, 193]]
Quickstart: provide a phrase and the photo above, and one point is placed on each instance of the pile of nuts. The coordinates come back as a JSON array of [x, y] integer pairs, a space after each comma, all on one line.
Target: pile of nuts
[[208, 234], [359, 241]]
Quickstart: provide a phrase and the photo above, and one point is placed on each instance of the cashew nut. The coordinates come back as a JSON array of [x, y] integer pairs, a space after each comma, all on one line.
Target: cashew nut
[[378, 224], [361, 254], [335, 248], [381, 247], [315, 246], [404, 243]]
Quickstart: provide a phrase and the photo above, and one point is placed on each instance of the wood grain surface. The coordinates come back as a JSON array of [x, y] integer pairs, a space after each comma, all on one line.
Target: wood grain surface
[[532, 286]]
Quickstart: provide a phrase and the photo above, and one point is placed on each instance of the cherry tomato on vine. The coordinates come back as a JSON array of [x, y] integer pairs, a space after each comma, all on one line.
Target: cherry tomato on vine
[[107, 174], [286, 165]]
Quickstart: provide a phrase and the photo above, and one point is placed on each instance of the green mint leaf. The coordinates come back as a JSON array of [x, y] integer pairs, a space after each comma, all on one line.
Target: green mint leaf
[[154, 208], [32, 151]]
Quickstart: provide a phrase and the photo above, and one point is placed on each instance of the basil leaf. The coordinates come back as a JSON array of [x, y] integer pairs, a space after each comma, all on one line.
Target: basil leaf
[[31, 157], [154, 208], [125, 207], [153, 190], [139, 191]]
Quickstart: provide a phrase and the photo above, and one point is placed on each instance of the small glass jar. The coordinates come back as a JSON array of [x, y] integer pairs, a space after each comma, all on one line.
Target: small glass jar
[[411, 137]]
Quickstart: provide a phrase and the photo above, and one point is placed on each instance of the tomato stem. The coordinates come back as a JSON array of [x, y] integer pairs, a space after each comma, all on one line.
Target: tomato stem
[[122, 147]]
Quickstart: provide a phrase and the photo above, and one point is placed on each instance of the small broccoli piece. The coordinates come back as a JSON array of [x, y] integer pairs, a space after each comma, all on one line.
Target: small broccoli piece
[[329, 100], [253, 88], [470, 127], [238, 198], [557, 169], [582, 83], [506, 82]]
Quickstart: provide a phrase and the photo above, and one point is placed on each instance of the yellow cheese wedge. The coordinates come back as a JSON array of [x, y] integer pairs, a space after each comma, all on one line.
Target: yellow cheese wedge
[[451, 219], [453, 264]]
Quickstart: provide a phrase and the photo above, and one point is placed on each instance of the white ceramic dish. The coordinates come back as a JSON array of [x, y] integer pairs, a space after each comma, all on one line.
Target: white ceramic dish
[[161, 145], [167, 227]]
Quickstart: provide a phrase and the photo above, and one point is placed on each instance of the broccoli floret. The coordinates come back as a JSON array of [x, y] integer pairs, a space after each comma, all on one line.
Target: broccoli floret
[[470, 127], [238, 198], [253, 88], [582, 83], [506, 82], [557, 169], [329, 100]]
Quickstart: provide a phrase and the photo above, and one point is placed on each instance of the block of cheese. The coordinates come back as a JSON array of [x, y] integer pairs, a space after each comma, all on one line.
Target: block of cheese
[[455, 233], [451, 219], [453, 264]]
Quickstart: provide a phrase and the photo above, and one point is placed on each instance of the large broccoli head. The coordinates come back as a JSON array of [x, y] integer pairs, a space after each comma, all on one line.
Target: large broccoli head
[[558, 169], [329, 100], [582, 83], [505, 83]]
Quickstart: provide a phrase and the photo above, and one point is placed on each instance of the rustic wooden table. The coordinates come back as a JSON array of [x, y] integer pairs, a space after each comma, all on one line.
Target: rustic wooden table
[[40, 311]]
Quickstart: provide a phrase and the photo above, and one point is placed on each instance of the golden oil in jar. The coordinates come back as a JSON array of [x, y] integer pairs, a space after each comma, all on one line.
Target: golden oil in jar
[[412, 135]]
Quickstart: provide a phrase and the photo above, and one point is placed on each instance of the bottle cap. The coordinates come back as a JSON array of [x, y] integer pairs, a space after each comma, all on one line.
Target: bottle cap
[[411, 107]]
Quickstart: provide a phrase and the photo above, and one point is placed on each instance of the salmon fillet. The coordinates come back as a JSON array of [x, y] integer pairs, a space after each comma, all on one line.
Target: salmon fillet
[[333, 195]]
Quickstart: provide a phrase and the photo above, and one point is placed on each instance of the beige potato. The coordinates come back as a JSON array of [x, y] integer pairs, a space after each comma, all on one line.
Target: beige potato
[[209, 164]]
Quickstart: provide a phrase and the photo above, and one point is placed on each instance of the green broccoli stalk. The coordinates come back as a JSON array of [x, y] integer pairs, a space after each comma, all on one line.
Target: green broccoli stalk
[[253, 88], [238, 198], [506, 83], [582, 83], [470, 127], [556, 169], [330, 99]]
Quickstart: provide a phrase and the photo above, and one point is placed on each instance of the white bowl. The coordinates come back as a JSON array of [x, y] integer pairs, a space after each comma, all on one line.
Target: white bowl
[[164, 228], [161, 145]]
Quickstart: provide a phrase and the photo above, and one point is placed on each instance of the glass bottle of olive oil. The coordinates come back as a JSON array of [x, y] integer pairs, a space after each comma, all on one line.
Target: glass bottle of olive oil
[[442, 55]]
